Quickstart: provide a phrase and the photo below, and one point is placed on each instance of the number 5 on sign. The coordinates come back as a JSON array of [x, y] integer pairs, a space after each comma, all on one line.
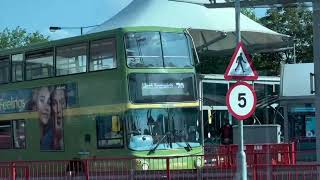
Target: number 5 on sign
[[241, 100]]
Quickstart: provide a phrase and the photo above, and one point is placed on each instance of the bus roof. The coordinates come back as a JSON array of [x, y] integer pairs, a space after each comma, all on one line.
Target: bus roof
[[59, 42], [85, 37]]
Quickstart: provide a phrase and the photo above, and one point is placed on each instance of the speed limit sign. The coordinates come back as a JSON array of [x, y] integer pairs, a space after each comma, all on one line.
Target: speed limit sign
[[241, 100]]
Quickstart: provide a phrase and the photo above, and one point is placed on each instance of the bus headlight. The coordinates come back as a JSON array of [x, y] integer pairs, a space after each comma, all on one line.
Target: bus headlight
[[198, 163], [145, 166]]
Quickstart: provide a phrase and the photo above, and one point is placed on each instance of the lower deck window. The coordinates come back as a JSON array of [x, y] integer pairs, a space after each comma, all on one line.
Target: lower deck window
[[109, 132], [12, 134]]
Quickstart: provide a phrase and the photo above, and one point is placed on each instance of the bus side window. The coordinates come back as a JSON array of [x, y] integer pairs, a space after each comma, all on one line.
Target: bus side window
[[4, 69], [39, 64], [19, 134], [17, 67], [71, 59], [109, 132], [12, 134], [102, 55]]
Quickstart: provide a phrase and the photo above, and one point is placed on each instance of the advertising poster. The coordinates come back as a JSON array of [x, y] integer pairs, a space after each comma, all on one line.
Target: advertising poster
[[310, 126], [49, 102]]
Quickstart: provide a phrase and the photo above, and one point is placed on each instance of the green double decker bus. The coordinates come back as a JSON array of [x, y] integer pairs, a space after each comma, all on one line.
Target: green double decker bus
[[129, 92]]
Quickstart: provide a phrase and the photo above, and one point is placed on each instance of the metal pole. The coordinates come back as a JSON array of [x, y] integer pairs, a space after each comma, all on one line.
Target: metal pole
[[242, 164], [316, 57], [81, 30]]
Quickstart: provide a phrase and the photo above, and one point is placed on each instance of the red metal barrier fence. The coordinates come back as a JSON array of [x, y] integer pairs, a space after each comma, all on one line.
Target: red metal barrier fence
[[256, 153], [125, 168], [218, 164]]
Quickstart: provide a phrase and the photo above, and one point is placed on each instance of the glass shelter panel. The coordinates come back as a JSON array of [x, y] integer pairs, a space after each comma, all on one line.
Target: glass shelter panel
[[152, 129], [17, 67], [102, 55], [215, 93], [264, 90], [302, 121], [302, 130], [39, 64], [71, 59], [4, 69]]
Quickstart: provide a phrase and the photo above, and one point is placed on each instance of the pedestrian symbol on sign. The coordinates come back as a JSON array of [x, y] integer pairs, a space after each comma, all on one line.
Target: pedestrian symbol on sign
[[240, 60], [241, 65]]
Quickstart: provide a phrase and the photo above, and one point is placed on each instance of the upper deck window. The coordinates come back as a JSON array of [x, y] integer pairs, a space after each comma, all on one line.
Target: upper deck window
[[175, 50], [144, 49], [39, 64], [4, 69], [154, 49], [102, 55], [17, 67], [71, 59]]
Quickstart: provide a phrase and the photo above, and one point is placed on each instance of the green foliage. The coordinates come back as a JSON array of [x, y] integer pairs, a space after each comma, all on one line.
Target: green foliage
[[297, 23], [249, 12], [268, 64], [213, 65], [19, 37]]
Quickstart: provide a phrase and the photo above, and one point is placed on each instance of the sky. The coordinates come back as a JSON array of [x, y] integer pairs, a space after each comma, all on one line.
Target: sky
[[39, 15]]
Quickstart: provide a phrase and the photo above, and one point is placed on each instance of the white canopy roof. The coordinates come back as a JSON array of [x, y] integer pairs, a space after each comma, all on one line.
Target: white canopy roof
[[211, 29]]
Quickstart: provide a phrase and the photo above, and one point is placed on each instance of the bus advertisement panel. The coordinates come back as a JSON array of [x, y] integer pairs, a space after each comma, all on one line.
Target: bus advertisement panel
[[49, 102]]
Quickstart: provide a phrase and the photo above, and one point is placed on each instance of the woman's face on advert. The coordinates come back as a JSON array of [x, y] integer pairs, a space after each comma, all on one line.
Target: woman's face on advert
[[58, 104], [43, 104]]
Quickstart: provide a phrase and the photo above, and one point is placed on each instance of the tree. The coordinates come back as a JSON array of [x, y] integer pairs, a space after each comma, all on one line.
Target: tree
[[249, 12], [213, 64], [19, 37], [295, 22]]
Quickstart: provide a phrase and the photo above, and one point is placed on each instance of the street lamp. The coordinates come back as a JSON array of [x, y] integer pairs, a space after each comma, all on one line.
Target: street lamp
[[57, 28], [251, 3]]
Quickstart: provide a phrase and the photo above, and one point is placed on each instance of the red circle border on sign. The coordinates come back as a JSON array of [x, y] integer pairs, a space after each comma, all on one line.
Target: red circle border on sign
[[254, 100]]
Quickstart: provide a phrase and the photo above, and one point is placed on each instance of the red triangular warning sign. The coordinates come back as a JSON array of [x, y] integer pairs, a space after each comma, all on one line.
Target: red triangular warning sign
[[241, 65]]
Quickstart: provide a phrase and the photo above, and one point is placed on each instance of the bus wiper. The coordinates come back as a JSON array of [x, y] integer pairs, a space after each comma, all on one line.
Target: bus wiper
[[153, 149], [188, 148]]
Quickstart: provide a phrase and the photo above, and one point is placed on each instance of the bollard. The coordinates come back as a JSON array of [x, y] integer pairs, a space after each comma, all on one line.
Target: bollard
[[168, 168], [86, 169], [26, 173], [13, 171], [255, 168]]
